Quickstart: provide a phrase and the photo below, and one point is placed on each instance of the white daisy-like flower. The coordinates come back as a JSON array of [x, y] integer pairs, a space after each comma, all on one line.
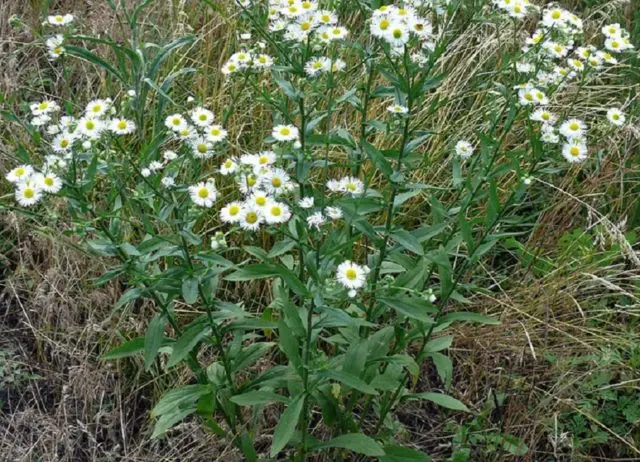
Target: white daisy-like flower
[[169, 156], [464, 149], [251, 218], [231, 213], [20, 174], [248, 183], [325, 17], [54, 47], [28, 194], [285, 133], [317, 65], [230, 67], [145, 172], [154, 166], [573, 129], [613, 31], [202, 148], [60, 19], [62, 142], [44, 107], [228, 167], [380, 26], [168, 181], [186, 133], [276, 212], [352, 275], [216, 133], [543, 115], [40, 120], [316, 220], [549, 134], [335, 213], [90, 127], [398, 109], [122, 126], [397, 35], [575, 150], [97, 108], [202, 117], [306, 202], [616, 116], [276, 181], [352, 185], [263, 61], [48, 182], [258, 199], [175, 122], [334, 185], [203, 194]]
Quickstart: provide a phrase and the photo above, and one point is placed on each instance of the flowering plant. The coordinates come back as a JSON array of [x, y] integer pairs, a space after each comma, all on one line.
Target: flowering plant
[[305, 287]]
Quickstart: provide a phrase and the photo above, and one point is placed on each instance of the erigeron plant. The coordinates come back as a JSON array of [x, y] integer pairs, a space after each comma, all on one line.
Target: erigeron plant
[[356, 302]]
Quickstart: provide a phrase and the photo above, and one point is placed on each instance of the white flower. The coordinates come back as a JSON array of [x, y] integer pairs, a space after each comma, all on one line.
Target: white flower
[[202, 117], [263, 61], [351, 275], [549, 134], [431, 296], [306, 202], [464, 149], [97, 108], [250, 218], [60, 20], [544, 116], [228, 167], [258, 199], [28, 193], [230, 67], [352, 185], [44, 107], [86, 145], [325, 17], [613, 31], [616, 116], [316, 220], [62, 142], [40, 120], [231, 213], [315, 66], [175, 122], [575, 151], [154, 166], [248, 183], [285, 133], [216, 133], [122, 126], [398, 109], [203, 194], [573, 128], [91, 128], [334, 185], [169, 156], [145, 172], [168, 181], [202, 148], [276, 212], [276, 181], [615, 45], [20, 174], [397, 35], [49, 182], [335, 213]]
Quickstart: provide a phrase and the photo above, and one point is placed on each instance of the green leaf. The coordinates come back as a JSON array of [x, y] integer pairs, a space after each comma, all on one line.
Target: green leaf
[[444, 367], [190, 338], [439, 344], [258, 397], [94, 59], [395, 453], [351, 380], [408, 241], [378, 159], [466, 230], [288, 345], [493, 207], [190, 290], [287, 425], [356, 442], [265, 270], [466, 316], [414, 308], [441, 400], [130, 348], [153, 339]]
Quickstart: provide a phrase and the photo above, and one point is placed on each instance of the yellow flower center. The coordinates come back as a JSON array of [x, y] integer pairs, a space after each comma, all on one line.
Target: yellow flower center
[[276, 182], [263, 160], [261, 200], [48, 181], [384, 24], [615, 44], [252, 217], [546, 116], [251, 181], [20, 171], [306, 5], [615, 116], [122, 125], [202, 148], [351, 274], [29, 193], [351, 186], [528, 96], [215, 131], [176, 121], [202, 117], [284, 131], [305, 25], [276, 211], [574, 126], [234, 210], [42, 106], [325, 18], [184, 132], [317, 65], [556, 14], [228, 164], [397, 33], [90, 125], [203, 193], [97, 108]]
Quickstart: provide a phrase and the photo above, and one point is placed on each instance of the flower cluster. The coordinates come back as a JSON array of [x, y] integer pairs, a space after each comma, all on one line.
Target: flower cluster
[[515, 8], [55, 43], [553, 54], [304, 20], [198, 130], [398, 26], [248, 60]]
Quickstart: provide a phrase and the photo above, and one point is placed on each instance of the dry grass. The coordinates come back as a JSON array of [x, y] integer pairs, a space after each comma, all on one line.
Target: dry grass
[[54, 324]]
